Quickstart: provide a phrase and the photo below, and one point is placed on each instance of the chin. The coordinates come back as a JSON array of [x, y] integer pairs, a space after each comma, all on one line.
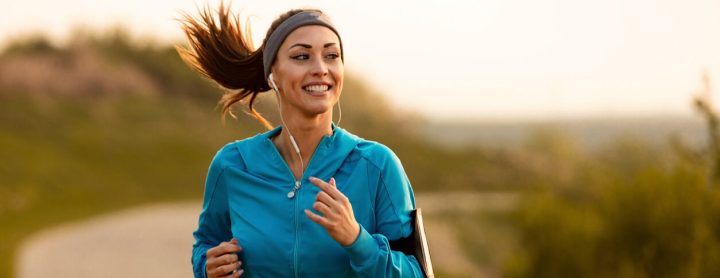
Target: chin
[[317, 110], [319, 107]]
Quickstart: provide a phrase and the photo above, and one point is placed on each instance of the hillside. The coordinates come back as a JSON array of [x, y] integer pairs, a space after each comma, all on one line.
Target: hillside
[[592, 133]]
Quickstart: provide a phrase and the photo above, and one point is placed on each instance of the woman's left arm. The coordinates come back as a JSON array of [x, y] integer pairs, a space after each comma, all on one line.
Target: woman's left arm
[[370, 254]]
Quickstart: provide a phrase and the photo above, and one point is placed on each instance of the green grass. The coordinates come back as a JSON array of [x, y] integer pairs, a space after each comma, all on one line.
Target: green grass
[[64, 159]]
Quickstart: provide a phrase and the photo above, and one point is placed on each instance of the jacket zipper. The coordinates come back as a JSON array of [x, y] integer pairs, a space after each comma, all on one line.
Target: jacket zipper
[[295, 191], [297, 226]]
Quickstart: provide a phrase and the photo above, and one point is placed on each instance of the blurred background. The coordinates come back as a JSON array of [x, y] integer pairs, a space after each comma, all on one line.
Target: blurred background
[[549, 138]]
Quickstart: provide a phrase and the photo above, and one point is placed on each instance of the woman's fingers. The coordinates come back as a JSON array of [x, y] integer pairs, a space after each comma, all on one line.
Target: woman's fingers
[[225, 270], [337, 203], [328, 188], [322, 221], [338, 218], [224, 247], [324, 198], [222, 260], [223, 264], [235, 274], [323, 208], [227, 259]]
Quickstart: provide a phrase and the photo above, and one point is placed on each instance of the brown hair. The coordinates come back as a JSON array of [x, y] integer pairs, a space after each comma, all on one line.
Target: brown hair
[[222, 52]]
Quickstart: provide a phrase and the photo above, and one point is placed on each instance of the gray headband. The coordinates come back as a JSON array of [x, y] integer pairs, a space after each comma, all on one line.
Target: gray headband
[[272, 45]]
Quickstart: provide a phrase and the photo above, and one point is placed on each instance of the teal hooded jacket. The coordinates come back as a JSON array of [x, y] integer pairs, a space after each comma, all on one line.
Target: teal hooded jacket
[[246, 197]]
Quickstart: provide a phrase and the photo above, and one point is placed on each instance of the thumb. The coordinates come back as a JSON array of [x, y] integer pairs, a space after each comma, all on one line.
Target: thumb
[[332, 181]]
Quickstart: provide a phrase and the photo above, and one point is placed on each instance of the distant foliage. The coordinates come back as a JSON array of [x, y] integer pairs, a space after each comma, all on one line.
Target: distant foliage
[[658, 223], [628, 210], [107, 64]]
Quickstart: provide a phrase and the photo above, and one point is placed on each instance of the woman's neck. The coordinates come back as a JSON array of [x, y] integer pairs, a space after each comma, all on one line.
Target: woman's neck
[[307, 132]]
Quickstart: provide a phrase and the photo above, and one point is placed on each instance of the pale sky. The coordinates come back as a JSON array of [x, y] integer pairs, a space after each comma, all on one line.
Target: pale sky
[[488, 59]]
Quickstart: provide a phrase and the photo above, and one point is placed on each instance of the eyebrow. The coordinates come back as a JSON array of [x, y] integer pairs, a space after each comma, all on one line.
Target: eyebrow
[[304, 45]]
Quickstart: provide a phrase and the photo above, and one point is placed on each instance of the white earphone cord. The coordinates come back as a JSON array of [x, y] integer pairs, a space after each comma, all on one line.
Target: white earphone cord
[[291, 194], [339, 113]]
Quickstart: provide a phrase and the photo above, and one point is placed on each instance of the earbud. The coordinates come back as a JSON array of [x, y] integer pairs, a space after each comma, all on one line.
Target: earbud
[[272, 83]]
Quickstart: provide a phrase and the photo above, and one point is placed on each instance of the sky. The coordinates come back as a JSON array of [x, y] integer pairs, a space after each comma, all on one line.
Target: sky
[[469, 60]]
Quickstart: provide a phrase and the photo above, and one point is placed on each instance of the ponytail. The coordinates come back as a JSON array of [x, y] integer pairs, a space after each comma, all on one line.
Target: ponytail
[[222, 52]]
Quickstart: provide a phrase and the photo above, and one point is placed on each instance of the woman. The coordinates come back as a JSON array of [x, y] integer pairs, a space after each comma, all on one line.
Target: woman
[[307, 198]]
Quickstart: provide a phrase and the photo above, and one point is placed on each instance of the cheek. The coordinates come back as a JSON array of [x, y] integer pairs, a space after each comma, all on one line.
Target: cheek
[[339, 68], [292, 80], [338, 73]]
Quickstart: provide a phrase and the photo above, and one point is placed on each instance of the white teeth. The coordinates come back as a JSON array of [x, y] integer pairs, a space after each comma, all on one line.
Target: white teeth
[[316, 88]]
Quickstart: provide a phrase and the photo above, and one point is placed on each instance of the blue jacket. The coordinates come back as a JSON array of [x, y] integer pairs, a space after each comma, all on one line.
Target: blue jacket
[[246, 198]]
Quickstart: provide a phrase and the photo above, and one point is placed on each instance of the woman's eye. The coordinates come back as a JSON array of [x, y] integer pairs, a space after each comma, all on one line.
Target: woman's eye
[[332, 56], [301, 57]]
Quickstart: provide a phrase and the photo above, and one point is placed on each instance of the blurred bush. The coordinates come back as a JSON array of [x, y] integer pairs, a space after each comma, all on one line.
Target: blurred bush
[[628, 210], [657, 222]]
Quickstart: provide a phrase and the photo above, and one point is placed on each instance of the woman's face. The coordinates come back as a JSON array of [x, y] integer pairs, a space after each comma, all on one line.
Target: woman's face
[[309, 71]]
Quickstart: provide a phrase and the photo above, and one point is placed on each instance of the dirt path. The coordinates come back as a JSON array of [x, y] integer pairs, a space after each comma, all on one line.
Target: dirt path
[[155, 241]]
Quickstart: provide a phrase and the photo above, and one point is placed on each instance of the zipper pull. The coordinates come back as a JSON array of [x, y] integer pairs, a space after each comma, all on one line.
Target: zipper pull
[[291, 194]]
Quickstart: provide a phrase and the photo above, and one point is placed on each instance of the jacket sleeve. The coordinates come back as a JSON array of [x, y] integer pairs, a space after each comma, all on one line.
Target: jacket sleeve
[[214, 223], [370, 254]]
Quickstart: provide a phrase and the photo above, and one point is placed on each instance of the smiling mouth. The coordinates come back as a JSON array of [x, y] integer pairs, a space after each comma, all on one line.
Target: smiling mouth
[[316, 89]]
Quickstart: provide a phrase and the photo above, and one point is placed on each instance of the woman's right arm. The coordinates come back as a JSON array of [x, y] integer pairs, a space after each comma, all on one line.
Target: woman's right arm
[[214, 223]]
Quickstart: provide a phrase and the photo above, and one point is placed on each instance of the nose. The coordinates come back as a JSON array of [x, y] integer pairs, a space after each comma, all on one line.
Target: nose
[[319, 68]]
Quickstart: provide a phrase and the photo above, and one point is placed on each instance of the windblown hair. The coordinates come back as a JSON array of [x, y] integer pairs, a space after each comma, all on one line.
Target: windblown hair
[[220, 50]]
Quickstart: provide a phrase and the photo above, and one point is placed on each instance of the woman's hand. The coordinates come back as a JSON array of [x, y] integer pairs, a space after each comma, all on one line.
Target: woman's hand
[[222, 260], [338, 218]]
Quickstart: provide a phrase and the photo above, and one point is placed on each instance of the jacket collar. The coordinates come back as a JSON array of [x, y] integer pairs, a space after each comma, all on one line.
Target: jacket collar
[[263, 159]]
